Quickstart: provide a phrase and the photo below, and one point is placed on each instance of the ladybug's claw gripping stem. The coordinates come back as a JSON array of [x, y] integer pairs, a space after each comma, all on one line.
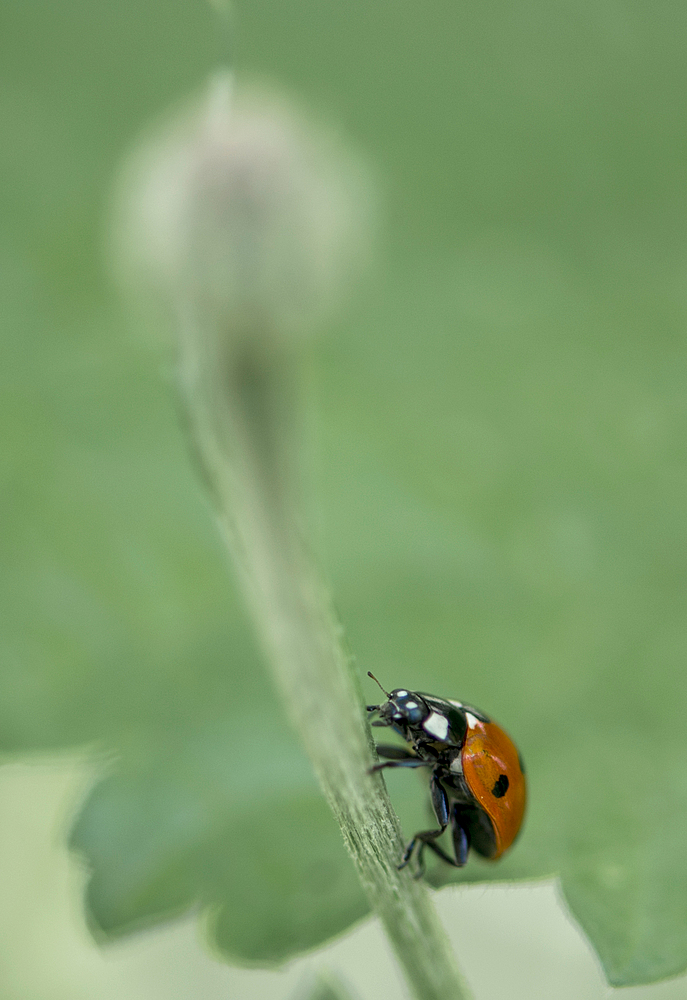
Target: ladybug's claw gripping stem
[[427, 837], [407, 853], [419, 871], [406, 858]]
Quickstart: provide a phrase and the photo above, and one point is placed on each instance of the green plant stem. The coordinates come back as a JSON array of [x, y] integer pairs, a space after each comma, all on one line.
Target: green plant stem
[[240, 400]]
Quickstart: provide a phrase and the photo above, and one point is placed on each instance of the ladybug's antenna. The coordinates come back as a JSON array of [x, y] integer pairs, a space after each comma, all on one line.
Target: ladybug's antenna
[[370, 674]]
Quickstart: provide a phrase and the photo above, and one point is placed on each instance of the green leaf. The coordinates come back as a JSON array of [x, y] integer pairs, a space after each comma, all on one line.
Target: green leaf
[[626, 878], [225, 822], [327, 987], [500, 460]]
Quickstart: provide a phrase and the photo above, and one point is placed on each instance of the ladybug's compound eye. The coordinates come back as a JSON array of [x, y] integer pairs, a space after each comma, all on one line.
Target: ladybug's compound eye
[[409, 706]]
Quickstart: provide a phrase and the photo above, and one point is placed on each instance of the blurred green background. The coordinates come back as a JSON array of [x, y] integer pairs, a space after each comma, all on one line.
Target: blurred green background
[[498, 443]]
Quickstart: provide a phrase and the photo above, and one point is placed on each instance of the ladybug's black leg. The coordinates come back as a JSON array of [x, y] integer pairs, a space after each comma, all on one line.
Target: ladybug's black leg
[[426, 838], [440, 852], [409, 762], [461, 837], [395, 753], [461, 840]]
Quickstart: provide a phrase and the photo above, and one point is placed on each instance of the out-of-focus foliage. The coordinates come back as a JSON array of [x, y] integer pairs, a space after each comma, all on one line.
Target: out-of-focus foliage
[[500, 441], [327, 987]]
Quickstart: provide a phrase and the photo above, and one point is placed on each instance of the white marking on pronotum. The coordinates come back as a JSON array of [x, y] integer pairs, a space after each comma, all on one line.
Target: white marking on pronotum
[[411, 704], [401, 694], [436, 725], [457, 764], [472, 720]]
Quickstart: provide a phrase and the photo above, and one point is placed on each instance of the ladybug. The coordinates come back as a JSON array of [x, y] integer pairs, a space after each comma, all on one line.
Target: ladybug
[[477, 779]]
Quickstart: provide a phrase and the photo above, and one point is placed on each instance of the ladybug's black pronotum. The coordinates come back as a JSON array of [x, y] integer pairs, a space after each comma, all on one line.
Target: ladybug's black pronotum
[[477, 780]]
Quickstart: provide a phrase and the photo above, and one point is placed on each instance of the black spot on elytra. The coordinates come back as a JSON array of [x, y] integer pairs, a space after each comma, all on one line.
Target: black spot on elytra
[[501, 787]]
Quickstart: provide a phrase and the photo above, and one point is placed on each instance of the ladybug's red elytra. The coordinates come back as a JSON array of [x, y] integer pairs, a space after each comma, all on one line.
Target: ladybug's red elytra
[[477, 779]]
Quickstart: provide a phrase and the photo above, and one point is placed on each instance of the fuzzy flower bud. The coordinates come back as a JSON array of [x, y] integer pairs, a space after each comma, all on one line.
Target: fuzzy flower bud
[[242, 215]]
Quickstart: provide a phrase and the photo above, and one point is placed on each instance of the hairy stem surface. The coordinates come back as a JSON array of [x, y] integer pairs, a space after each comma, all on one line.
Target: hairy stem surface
[[241, 407]]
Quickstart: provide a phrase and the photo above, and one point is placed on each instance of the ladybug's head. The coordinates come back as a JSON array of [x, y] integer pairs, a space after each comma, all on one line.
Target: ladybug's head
[[403, 711]]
